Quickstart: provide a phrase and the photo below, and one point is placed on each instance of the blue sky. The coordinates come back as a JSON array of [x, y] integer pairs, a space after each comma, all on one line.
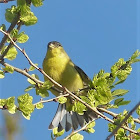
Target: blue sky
[[94, 33]]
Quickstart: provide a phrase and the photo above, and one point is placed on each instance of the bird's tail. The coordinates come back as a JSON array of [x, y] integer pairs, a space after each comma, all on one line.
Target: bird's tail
[[67, 120]]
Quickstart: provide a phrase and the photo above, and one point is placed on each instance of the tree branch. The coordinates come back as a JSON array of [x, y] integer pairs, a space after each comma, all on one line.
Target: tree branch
[[5, 1], [23, 72], [123, 121], [10, 44], [29, 60], [13, 24], [114, 114], [50, 100], [74, 132], [65, 90]]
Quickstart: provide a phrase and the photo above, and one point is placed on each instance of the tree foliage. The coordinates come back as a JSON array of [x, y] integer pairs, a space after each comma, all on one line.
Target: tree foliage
[[104, 92]]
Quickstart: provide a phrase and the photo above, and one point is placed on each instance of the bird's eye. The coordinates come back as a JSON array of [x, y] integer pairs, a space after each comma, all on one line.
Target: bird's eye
[[59, 45]]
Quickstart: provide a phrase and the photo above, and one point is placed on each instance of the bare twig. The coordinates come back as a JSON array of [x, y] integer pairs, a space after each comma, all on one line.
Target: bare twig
[[123, 121], [107, 111], [74, 132], [13, 24], [10, 45], [50, 100], [63, 88], [5, 1], [114, 114], [98, 113], [23, 72], [29, 60], [53, 81]]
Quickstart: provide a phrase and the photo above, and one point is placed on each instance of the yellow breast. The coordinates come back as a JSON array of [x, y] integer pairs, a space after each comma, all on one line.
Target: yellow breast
[[61, 69]]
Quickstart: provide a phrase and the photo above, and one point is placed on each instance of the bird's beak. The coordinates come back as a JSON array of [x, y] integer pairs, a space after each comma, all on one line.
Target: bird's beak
[[51, 46]]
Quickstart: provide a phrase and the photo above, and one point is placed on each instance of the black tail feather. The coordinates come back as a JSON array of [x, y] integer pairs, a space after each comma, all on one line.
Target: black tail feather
[[67, 120]]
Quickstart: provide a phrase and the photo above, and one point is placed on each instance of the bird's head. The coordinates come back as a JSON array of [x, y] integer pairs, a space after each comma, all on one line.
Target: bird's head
[[54, 44], [55, 49]]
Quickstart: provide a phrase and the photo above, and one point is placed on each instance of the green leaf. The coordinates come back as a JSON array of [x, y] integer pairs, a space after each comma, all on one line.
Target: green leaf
[[89, 99], [23, 8], [136, 60], [3, 27], [102, 92], [3, 102], [22, 37], [117, 101], [37, 3], [26, 116], [42, 92], [92, 124], [110, 106], [122, 74], [32, 68], [90, 130], [28, 18], [47, 85], [11, 13], [56, 133], [136, 136], [25, 98], [120, 102], [79, 108], [29, 88], [8, 69], [1, 74], [62, 100], [31, 81], [130, 119], [119, 92], [135, 55], [121, 69], [25, 105], [21, 2], [119, 82], [39, 105], [125, 112], [103, 95], [77, 136], [11, 105], [124, 103], [13, 34], [111, 127], [138, 110], [26, 15], [11, 54], [121, 133]]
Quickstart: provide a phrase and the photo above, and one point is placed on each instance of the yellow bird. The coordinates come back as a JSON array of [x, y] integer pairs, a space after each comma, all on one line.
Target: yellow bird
[[58, 65]]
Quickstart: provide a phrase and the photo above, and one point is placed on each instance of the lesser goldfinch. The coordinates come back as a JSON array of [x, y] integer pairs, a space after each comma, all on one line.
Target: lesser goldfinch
[[58, 65]]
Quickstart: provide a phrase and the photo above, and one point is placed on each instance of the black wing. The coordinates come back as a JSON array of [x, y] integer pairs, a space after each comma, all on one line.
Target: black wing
[[85, 78]]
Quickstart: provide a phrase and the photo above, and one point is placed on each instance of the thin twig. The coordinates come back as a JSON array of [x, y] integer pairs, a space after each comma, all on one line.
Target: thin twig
[[5, 1], [63, 88], [10, 45], [98, 113], [50, 100], [107, 111], [30, 62], [13, 24], [114, 114], [23, 72], [123, 121], [74, 132]]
